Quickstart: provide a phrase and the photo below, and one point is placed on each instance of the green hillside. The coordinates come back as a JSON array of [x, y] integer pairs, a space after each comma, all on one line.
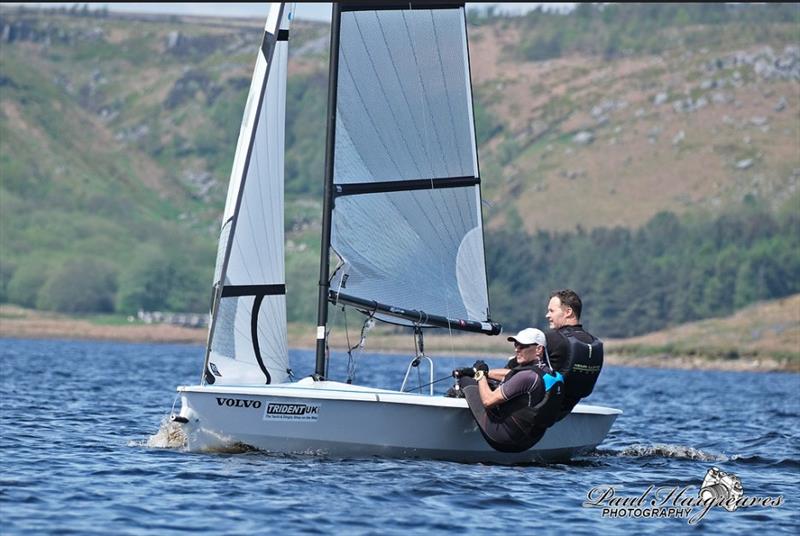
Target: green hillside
[[595, 128]]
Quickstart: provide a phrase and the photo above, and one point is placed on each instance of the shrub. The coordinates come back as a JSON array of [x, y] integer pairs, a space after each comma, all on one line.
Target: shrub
[[84, 285]]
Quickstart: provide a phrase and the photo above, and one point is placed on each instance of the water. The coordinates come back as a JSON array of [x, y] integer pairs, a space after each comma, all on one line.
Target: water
[[80, 421]]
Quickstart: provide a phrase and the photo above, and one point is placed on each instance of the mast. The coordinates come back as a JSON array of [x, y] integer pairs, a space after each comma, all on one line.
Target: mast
[[327, 201]]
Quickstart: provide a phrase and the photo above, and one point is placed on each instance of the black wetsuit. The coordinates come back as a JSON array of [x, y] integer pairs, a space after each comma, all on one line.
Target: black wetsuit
[[497, 424], [558, 352]]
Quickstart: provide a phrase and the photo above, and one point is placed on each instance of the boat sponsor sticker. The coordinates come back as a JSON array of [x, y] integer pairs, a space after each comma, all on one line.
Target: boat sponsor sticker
[[238, 402], [296, 412], [718, 490]]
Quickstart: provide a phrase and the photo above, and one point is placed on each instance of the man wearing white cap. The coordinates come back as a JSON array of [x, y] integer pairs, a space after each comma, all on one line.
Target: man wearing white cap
[[515, 415]]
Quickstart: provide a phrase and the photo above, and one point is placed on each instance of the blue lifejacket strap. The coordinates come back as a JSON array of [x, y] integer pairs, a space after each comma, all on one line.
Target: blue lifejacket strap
[[551, 379]]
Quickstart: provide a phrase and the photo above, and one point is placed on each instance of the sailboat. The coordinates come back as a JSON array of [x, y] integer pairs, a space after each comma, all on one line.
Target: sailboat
[[402, 221]]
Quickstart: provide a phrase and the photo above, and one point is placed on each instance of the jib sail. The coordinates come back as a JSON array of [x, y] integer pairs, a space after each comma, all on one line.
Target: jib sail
[[247, 340]]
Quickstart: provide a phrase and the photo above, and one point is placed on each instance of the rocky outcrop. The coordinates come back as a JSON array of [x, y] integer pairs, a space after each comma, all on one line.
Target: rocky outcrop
[[766, 64], [187, 87]]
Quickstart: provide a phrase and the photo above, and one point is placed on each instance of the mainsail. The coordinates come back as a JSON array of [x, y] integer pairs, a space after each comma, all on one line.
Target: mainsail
[[406, 217], [247, 342]]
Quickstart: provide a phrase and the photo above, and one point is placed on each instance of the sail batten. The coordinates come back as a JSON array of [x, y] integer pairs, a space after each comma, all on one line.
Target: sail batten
[[373, 187]]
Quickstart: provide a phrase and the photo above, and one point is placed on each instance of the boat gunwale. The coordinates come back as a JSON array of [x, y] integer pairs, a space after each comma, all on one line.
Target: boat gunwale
[[327, 390]]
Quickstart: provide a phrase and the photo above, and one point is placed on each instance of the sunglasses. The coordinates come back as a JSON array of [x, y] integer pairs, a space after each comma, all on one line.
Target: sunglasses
[[523, 346]]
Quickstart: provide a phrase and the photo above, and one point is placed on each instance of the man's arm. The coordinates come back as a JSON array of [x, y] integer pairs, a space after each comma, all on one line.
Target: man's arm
[[498, 374], [489, 398]]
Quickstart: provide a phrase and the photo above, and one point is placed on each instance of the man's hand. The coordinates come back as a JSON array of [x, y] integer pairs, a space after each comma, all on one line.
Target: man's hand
[[481, 365], [468, 372]]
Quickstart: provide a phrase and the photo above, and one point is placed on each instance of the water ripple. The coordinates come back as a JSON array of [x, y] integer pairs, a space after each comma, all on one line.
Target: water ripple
[[100, 456]]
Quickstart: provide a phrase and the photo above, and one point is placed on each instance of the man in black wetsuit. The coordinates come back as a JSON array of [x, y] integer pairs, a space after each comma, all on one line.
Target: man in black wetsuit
[[564, 317], [503, 414]]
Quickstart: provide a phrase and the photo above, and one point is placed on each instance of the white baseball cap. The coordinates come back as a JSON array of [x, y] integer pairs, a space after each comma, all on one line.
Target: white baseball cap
[[530, 336]]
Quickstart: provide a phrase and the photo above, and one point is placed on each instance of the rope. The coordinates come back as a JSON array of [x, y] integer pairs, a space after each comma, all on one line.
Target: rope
[[427, 384], [351, 359]]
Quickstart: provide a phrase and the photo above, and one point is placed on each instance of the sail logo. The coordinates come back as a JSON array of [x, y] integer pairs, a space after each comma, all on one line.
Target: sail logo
[[281, 411], [238, 402]]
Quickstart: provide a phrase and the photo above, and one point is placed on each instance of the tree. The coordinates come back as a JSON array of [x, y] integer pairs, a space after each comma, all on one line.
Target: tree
[[161, 280], [84, 285], [28, 277]]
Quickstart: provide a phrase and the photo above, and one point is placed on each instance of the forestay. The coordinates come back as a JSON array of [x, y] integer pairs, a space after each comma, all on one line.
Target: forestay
[[247, 339], [406, 222]]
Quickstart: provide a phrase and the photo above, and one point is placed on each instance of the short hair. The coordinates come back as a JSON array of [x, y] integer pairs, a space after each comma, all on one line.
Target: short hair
[[569, 298]]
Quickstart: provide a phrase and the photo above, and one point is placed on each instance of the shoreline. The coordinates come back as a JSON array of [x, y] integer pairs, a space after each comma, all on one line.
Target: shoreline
[[20, 323]]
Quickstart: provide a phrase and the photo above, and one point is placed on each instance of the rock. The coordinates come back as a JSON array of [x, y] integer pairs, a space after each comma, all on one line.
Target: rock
[[132, 135], [781, 105], [173, 39], [201, 181], [707, 84], [535, 131], [95, 34], [653, 134], [744, 164], [678, 138], [683, 105], [758, 121], [607, 106], [720, 97], [584, 137], [573, 174], [187, 86], [660, 99], [701, 102], [764, 69]]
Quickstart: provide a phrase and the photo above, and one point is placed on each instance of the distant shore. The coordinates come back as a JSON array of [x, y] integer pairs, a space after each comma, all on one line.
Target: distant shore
[[26, 324]]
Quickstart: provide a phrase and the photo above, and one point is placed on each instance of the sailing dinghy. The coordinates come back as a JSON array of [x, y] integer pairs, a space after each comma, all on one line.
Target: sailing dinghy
[[401, 213]]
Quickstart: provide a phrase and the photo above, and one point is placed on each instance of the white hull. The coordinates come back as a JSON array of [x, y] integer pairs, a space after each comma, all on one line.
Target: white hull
[[337, 419]]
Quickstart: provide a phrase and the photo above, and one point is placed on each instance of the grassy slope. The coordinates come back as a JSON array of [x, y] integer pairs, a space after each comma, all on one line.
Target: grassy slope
[[763, 330], [630, 171], [99, 137], [635, 167]]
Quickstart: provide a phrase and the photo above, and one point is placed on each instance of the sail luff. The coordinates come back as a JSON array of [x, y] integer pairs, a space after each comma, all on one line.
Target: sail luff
[[241, 166]]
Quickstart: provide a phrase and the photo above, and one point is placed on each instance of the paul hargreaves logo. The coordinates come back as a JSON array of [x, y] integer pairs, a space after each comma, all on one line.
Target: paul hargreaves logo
[[719, 489]]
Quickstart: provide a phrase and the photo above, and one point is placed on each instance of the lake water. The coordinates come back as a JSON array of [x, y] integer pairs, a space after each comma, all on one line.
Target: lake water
[[83, 438]]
